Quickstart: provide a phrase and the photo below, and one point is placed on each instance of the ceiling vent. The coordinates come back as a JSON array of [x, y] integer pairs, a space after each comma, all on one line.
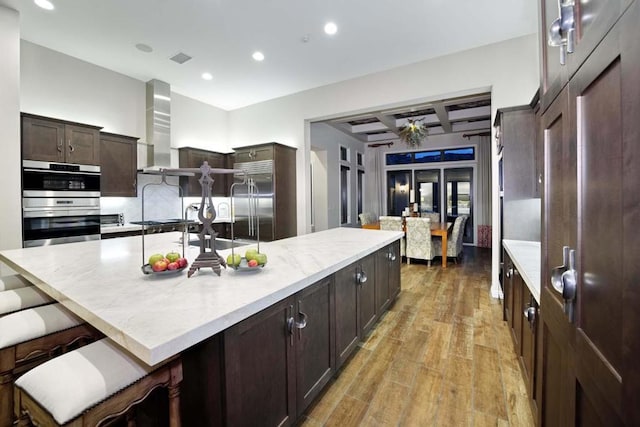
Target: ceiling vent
[[180, 58]]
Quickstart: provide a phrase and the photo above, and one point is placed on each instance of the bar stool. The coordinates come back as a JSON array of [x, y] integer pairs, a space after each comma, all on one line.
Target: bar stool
[[13, 281], [21, 298], [28, 338], [93, 384]]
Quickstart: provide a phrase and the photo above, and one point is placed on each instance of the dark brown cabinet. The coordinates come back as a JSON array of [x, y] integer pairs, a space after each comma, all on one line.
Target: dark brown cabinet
[[590, 307], [367, 310], [53, 140], [193, 158], [346, 283], [315, 342], [119, 162], [272, 167], [387, 276], [259, 368], [279, 360]]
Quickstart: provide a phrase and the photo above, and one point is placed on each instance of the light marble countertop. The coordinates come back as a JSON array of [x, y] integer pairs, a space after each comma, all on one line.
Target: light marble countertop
[[526, 258], [156, 317]]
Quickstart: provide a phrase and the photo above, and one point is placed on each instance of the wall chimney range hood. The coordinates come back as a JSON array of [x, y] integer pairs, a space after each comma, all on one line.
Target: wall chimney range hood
[[158, 121]]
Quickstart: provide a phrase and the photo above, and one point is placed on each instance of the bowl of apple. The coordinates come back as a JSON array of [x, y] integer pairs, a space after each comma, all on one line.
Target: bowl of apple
[[159, 264], [251, 261]]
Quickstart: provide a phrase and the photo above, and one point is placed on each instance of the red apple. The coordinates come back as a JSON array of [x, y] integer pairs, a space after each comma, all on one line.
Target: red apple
[[159, 266], [252, 263], [173, 266], [182, 262]]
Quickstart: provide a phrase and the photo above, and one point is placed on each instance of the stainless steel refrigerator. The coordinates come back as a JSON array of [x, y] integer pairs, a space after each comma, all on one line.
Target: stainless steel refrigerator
[[250, 208]]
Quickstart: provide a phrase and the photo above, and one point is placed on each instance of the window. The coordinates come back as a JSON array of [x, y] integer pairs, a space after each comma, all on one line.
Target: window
[[344, 154], [360, 159], [344, 194], [427, 156], [433, 156]]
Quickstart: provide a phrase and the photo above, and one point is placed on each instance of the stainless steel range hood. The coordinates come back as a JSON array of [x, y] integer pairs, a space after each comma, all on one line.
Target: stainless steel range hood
[[159, 124]]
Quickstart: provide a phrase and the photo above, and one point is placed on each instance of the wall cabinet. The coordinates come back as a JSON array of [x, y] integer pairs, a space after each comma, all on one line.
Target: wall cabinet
[[53, 140], [118, 160], [193, 158]]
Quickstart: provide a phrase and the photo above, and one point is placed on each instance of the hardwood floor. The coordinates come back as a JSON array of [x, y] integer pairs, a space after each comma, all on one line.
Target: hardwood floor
[[440, 356]]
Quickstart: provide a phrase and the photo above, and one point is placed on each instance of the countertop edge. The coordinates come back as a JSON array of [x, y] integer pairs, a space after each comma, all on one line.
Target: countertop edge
[[516, 254]]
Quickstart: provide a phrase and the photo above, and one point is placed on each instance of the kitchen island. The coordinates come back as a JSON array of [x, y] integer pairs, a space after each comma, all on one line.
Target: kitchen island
[[281, 331], [156, 317]]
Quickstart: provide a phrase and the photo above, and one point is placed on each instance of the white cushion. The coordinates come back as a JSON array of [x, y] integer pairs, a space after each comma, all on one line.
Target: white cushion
[[35, 322], [19, 299], [13, 281], [68, 385]]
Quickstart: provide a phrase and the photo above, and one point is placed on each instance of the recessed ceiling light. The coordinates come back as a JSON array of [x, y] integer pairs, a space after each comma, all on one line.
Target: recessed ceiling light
[[258, 56], [144, 48], [330, 28], [207, 76], [45, 4]]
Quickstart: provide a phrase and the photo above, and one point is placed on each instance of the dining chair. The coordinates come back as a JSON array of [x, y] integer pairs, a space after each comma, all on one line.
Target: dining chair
[[419, 243], [393, 223], [367, 218], [454, 243], [433, 216]]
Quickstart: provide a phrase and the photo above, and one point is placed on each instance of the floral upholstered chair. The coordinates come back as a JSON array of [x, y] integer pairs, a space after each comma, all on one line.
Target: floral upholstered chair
[[433, 216], [393, 223], [419, 243], [454, 244], [367, 218]]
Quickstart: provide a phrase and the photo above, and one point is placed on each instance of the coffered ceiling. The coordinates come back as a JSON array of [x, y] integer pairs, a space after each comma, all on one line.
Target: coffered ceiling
[[467, 115]]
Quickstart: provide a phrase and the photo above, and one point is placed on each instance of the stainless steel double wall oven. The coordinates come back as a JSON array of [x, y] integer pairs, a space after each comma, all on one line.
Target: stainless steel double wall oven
[[60, 203]]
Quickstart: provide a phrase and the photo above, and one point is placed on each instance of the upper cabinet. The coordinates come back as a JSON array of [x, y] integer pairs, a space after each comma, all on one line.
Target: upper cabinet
[[569, 32], [193, 158], [119, 158], [53, 140]]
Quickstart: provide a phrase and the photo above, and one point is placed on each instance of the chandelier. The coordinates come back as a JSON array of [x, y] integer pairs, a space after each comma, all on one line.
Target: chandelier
[[413, 133]]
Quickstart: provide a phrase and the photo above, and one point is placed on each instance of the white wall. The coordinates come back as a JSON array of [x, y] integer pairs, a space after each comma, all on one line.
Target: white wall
[[199, 125], [10, 205], [330, 139], [509, 70], [320, 166]]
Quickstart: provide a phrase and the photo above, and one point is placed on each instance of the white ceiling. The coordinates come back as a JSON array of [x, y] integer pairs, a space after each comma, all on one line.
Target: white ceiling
[[221, 35]]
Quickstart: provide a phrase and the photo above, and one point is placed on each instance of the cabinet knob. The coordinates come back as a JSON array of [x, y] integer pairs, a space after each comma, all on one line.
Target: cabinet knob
[[391, 256], [509, 273], [530, 315], [361, 277]]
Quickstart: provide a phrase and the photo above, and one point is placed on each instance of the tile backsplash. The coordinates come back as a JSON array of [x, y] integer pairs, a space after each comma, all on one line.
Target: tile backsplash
[[161, 201]]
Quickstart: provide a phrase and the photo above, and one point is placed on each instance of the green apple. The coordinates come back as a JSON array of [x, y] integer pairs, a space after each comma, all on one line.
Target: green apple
[[155, 258], [261, 258], [173, 256], [234, 260], [250, 254]]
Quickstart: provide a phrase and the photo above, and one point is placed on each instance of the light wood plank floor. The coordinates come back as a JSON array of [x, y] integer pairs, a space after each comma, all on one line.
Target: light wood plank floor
[[440, 356]]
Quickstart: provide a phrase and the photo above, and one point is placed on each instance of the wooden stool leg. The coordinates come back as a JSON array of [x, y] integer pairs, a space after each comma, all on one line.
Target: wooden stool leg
[[174, 394], [131, 418]]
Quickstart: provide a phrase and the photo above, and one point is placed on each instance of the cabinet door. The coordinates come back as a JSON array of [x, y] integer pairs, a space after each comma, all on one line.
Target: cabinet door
[[118, 166], [553, 76], [346, 313], [260, 369], [194, 158], [382, 279], [507, 290], [42, 140], [252, 154], [367, 312], [517, 288], [315, 345], [82, 145], [394, 270], [528, 337]]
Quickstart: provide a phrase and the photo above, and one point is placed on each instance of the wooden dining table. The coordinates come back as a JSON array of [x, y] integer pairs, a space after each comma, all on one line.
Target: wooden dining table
[[437, 229]]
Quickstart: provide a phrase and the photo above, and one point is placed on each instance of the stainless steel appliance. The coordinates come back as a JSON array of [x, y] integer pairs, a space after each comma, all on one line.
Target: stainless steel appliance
[[248, 207], [60, 203]]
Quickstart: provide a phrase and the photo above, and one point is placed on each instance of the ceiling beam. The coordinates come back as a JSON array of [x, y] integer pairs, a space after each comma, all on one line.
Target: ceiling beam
[[443, 116], [346, 129], [388, 121]]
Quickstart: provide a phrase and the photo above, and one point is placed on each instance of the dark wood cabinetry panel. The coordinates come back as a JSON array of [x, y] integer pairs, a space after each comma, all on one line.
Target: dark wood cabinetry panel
[[254, 153], [53, 140], [383, 284], [315, 346], [367, 310], [193, 158], [507, 290], [346, 313], [589, 368], [42, 140], [553, 76], [119, 162], [260, 369]]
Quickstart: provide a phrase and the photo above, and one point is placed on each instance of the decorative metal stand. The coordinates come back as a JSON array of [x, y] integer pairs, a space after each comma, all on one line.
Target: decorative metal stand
[[212, 258]]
